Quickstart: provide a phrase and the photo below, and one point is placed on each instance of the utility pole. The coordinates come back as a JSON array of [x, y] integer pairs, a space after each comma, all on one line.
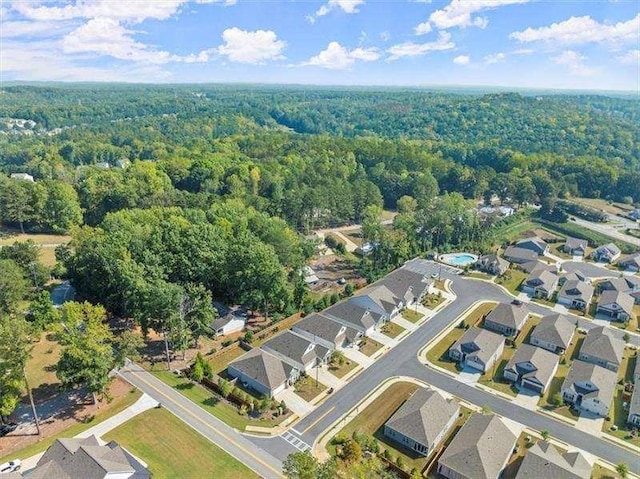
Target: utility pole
[[33, 406]]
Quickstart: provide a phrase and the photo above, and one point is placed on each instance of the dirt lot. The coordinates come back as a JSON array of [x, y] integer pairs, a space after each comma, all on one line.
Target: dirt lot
[[329, 269], [613, 208], [544, 234]]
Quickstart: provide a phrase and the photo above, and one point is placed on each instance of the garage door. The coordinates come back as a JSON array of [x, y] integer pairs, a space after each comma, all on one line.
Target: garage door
[[533, 386]]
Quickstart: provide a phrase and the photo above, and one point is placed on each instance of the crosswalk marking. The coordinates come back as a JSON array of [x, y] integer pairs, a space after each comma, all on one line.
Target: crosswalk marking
[[295, 441]]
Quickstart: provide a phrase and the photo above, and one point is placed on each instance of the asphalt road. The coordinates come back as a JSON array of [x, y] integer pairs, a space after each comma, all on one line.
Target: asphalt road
[[403, 361], [227, 438]]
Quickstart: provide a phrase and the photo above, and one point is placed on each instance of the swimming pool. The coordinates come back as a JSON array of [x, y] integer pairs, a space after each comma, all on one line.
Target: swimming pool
[[459, 259]]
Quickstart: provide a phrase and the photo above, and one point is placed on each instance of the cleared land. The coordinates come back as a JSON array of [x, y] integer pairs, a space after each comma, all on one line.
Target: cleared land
[[173, 449], [604, 205], [48, 243]]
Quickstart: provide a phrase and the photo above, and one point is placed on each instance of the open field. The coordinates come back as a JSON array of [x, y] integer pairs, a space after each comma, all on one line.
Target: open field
[[212, 404], [308, 388], [369, 346], [392, 330], [106, 410], [186, 454], [48, 243], [41, 367], [600, 204]]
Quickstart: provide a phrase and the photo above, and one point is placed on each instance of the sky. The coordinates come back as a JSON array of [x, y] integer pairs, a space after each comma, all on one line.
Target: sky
[[506, 43]]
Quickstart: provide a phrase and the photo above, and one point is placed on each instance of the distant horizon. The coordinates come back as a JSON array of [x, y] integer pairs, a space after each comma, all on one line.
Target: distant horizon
[[503, 44], [337, 86]]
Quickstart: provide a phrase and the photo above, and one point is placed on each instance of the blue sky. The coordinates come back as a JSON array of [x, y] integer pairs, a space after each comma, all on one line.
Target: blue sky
[[512, 43]]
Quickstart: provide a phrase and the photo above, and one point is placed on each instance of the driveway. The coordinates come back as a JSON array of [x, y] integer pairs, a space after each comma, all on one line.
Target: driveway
[[294, 402], [408, 325], [590, 423], [355, 355], [469, 375], [328, 379], [383, 339], [527, 399]]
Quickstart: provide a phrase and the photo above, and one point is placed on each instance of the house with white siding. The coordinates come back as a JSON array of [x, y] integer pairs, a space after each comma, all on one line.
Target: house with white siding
[[589, 387]]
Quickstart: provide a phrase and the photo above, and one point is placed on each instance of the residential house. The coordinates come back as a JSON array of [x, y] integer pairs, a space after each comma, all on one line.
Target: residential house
[[492, 264], [507, 319], [86, 458], [406, 283], [624, 284], [294, 350], [263, 372], [531, 368], [480, 450], [518, 255], [615, 305], [576, 294], [589, 387], [636, 371], [635, 214], [543, 460], [123, 163], [575, 246], [531, 267], [324, 331], [423, 421], [22, 176], [103, 165], [309, 275], [535, 244], [601, 347], [631, 263], [478, 349], [573, 276], [354, 315], [540, 284], [554, 333], [607, 253], [634, 406]]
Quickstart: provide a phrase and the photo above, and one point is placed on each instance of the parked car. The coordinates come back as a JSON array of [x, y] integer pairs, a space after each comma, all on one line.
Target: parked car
[[10, 466], [342, 281], [516, 302], [7, 428]]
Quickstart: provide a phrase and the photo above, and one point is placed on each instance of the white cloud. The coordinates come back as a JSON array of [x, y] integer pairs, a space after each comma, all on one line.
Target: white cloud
[[522, 51], [337, 57], [251, 47], [574, 61], [494, 58], [385, 36], [347, 6], [462, 60], [29, 29], [411, 49], [422, 29], [632, 57], [459, 13], [580, 30]]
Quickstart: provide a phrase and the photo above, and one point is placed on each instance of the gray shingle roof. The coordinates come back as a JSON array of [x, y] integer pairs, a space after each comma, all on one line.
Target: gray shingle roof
[[353, 313], [492, 261], [624, 300], [543, 361], [542, 278], [556, 329], [479, 342], [519, 255], [601, 343], [576, 289], [377, 295], [575, 243], [320, 326], [604, 380], [291, 346], [480, 449], [533, 266], [423, 416], [263, 367], [611, 248], [634, 405], [510, 315], [533, 243], [543, 460], [633, 260], [405, 283]]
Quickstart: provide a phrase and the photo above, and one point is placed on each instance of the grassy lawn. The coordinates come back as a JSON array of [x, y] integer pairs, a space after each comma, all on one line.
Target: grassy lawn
[[600, 204], [369, 346], [40, 368], [117, 405], [47, 252], [616, 412], [547, 302], [438, 283], [341, 370], [392, 330], [556, 383], [432, 300], [475, 317], [308, 388], [600, 472], [220, 362], [187, 454], [212, 404], [477, 275], [411, 316], [511, 280], [633, 323]]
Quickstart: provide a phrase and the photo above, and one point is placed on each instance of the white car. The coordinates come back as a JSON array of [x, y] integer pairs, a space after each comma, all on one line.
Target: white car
[[10, 466]]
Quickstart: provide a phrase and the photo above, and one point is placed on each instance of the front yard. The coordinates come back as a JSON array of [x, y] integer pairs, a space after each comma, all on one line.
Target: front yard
[[173, 449], [369, 346], [432, 300], [341, 366], [511, 280], [392, 330], [308, 388], [411, 316]]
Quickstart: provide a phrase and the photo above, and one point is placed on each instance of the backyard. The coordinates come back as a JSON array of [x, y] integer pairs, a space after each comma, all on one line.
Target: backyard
[[511, 280], [186, 455]]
